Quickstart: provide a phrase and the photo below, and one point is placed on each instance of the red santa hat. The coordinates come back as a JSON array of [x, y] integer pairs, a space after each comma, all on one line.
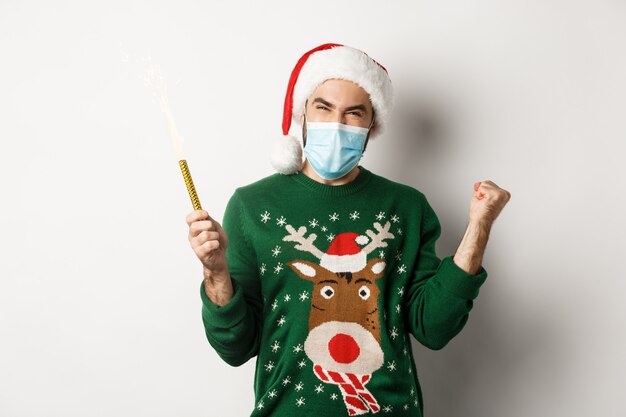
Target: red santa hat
[[327, 61], [344, 255]]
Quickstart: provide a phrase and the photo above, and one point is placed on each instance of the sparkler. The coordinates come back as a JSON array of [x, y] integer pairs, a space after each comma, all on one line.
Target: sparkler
[[157, 81]]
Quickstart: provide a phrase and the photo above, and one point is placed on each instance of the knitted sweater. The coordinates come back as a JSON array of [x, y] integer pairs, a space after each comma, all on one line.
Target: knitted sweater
[[329, 281]]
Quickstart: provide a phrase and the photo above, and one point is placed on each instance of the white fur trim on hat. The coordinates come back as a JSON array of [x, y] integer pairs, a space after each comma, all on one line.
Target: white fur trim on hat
[[344, 263], [347, 63], [286, 156]]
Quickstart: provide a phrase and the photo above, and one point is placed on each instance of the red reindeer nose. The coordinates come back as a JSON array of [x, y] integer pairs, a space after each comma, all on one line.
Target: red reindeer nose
[[343, 348]]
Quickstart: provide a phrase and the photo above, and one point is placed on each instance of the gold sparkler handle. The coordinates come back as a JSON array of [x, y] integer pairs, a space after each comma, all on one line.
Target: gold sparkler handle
[[189, 183]]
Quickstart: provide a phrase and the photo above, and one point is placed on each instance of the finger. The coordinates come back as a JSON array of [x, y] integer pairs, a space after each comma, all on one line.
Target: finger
[[209, 247], [200, 226], [205, 236], [490, 189], [483, 186], [487, 185], [490, 184], [196, 215], [204, 249], [479, 190]]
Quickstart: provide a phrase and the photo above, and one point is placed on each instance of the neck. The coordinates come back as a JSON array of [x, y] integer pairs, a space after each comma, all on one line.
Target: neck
[[349, 177]]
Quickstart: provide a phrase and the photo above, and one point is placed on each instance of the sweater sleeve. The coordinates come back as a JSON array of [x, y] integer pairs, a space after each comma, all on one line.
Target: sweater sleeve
[[440, 294], [234, 329]]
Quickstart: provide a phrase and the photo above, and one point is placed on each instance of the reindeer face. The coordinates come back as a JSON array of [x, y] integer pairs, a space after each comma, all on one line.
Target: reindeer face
[[344, 326]]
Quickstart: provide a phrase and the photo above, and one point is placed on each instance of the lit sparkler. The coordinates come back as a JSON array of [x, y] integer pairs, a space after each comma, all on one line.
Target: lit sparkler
[[157, 81]]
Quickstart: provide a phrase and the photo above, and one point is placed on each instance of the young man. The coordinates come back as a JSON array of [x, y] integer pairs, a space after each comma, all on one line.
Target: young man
[[324, 269]]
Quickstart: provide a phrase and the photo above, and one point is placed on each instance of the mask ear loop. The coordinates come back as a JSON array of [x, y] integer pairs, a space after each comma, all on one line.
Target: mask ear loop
[[304, 125], [367, 138]]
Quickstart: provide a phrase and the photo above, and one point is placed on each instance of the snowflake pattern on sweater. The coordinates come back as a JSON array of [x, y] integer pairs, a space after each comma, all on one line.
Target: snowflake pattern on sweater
[[335, 280]]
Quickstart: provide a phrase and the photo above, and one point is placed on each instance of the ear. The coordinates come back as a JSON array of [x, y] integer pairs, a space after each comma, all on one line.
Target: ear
[[306, 270], [376, 266], [303, 112]]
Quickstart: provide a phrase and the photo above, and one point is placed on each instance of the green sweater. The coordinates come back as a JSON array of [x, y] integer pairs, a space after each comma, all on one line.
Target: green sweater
[[329, 281]]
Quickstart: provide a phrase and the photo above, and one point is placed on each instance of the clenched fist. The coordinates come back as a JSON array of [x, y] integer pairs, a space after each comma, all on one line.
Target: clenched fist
[[209, 241], [487, 202]]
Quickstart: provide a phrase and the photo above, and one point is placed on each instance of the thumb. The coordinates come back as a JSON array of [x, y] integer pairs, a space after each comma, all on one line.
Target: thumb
[[204, 215], [216, 224], [478, 194]]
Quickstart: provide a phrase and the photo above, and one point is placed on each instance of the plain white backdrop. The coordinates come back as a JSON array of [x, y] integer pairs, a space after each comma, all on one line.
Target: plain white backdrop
[[99, 288]]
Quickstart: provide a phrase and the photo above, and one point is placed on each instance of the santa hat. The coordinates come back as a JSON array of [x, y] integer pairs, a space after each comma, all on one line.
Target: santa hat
[[330, 60], [344, 255]]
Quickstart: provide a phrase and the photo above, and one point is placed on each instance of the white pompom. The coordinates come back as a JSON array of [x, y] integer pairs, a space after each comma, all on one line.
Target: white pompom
[[286, 155], [362, 240]]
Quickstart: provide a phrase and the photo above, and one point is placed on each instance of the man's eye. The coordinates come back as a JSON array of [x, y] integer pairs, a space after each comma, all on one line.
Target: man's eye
[[356, 113], [322, 108]]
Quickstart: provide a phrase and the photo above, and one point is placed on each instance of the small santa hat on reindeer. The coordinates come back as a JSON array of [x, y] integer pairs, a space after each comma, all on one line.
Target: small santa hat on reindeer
[[324, 62], [344, 255]]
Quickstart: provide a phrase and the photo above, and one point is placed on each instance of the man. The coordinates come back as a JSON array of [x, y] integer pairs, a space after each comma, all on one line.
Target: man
[[323, 269]]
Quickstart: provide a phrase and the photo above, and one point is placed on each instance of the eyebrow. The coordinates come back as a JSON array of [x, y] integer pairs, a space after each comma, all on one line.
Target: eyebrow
[[332, 106]]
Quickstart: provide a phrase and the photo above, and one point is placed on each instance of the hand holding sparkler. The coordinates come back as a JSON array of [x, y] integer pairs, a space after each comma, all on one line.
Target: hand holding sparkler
[[209, 241]]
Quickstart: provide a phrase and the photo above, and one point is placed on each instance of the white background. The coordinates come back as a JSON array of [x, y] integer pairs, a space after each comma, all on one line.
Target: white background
[[99, 289]]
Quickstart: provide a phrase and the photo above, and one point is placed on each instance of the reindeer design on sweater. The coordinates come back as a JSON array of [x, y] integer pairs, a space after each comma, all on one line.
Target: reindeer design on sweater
[[344, 339]]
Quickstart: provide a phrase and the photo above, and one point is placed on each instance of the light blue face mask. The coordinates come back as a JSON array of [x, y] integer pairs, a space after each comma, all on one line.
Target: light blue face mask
[[334, 148]]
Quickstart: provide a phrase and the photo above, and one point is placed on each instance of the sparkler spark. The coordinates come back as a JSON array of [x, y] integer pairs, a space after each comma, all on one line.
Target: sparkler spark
[[156, 80]]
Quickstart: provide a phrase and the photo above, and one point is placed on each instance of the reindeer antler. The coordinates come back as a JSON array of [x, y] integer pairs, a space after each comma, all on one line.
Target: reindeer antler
[[378, 239], [303, 244]]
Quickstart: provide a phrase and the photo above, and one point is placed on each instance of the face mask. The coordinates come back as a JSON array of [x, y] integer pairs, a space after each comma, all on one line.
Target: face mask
[[333, 148]]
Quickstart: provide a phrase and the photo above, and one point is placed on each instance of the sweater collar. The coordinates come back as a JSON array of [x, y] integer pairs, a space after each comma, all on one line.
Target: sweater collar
[[334, 190]]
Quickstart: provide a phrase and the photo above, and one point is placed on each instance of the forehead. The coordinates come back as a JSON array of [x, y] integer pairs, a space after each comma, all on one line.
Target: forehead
[[341, 93]]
